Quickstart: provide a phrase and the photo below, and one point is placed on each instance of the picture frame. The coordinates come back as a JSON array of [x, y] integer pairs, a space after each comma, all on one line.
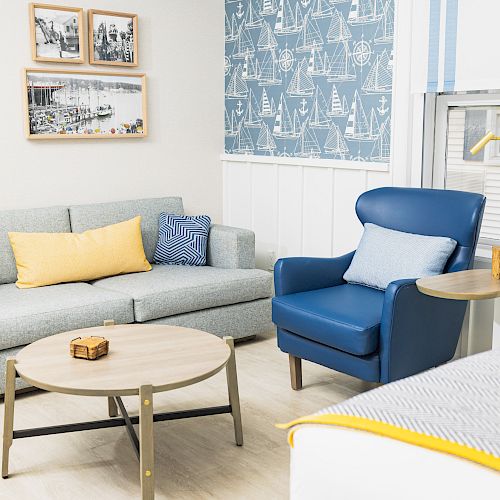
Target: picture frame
[[81, 104], [113, 38], [57, 33]]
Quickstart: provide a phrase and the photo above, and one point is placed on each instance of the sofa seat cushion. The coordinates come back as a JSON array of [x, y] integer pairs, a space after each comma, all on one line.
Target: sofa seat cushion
[[31, 314], [345, 317], [170, 289]]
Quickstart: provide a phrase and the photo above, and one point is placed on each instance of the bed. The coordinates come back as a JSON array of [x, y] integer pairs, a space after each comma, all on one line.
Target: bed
[[435, 435]]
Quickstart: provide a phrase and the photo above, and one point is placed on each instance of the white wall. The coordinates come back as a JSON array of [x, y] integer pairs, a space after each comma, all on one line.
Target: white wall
[[181, 44]]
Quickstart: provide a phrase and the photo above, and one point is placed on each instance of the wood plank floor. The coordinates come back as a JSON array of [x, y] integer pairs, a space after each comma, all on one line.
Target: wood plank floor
[[195, 459]]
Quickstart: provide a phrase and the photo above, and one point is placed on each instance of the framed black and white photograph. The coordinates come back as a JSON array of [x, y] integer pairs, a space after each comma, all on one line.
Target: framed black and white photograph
[[77, 104], [113, 38], [56, 33]]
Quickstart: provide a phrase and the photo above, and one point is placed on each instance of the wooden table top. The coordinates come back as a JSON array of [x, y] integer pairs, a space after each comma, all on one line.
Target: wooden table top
[[167, 357], [475, 284]]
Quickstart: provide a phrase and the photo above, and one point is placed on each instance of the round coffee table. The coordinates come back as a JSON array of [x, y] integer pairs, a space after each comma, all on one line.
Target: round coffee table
[[142, 360]]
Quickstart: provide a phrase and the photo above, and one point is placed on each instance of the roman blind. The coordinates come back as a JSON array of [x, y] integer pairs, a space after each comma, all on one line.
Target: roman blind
[[454, 45]]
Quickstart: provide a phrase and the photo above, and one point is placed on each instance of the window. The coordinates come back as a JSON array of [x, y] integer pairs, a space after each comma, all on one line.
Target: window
[[460, 121]]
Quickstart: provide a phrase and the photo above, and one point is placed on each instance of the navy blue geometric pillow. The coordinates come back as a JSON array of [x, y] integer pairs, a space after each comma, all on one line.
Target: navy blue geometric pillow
[[182, 240]]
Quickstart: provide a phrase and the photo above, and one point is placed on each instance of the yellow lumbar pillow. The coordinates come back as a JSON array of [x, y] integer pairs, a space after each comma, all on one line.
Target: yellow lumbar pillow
[[51, 258]]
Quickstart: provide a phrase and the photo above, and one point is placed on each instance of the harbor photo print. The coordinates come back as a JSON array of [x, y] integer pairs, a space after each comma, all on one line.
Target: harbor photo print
[[84, 104], [113, 38], [56, 33]]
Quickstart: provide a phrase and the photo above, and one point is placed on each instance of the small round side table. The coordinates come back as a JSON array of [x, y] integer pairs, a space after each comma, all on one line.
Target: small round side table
[[476, 285]]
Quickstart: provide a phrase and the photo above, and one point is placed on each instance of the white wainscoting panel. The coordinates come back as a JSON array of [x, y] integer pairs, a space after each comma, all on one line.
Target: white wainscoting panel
[[296, 209], [317, 226], [349, 184]]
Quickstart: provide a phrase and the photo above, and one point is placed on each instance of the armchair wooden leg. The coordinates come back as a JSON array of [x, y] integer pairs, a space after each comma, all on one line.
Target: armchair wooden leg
[[295, 372]]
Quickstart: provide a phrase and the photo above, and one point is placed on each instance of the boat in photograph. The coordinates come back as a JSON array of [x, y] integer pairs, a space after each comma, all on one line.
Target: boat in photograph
[[105, 110]]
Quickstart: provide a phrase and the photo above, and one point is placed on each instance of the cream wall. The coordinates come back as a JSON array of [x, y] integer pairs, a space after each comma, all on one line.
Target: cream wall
[[181, 44]]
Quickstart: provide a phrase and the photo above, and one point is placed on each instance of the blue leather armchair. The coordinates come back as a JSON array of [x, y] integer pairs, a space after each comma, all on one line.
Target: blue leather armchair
[[375, 335]]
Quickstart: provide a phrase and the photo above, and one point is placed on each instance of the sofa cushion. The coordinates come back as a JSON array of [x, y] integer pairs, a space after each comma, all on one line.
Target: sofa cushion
[[345, 317], [84, 217], [31, 314], [35, 220], [51, 258], [169, 290], [183, 240]]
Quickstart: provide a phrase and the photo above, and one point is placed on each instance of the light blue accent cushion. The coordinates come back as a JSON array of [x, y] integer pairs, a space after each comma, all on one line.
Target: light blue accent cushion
[[182, 240], [385, 255]]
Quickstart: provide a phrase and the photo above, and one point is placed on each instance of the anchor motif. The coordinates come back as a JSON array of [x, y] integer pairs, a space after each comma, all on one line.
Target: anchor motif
[[383, 109], [240, 13], [303, 110], [305, 3], [239, 108]]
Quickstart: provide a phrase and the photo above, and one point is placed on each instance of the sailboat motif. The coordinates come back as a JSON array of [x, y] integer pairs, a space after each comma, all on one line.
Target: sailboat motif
[[307, 145], [231, 126], [374, 125], [265, 141], [267, 40], [336, 107], [253, 18], [284, 127], [252, 118], [316, 65], [357, 128], [267, 108], [385, 28], [318, 117], [243, 143], [379, 78], [250, 69], [231, 29], [244, 46], [382, 148], [302, 83], [364, 12], [237, 87], [322, 8], [270, 73], [340, 68], [269, 8], [310, 36], [288, 23], [335, 143], [339, 30]]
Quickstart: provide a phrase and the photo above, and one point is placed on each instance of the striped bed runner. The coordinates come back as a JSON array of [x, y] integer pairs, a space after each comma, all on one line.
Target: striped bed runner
[[454, 408]]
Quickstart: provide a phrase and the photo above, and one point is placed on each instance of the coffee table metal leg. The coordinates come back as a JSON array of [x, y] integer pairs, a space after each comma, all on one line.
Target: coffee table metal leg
[[112, 408], [8, 420], [146, 442], [234, 397]]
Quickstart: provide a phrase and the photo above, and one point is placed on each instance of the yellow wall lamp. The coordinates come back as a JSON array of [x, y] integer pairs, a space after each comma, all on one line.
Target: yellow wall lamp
[[490, 136]]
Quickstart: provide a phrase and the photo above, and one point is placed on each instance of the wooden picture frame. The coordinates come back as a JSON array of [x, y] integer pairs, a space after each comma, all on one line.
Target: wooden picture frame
[[54, 40], [123, 45], [99, 105]]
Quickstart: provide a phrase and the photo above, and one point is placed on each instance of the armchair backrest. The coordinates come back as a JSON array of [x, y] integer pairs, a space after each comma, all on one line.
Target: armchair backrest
[[433, 212]]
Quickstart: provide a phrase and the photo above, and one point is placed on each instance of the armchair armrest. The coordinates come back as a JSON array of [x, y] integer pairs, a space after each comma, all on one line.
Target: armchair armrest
[[417, 331], [302, 274], [231, 247]]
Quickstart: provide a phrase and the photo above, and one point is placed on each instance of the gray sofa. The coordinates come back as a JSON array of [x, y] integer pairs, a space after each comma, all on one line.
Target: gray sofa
[[228, 296]]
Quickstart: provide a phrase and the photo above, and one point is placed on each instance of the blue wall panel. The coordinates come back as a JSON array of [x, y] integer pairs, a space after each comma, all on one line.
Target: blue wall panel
[[309, 78]]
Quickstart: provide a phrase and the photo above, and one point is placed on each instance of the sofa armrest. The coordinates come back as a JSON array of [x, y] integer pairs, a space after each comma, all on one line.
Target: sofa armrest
[[417, 331], [231, 247], [302, 274]]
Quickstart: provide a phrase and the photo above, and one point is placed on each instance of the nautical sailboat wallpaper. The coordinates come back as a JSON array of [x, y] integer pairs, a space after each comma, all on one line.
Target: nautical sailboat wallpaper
[[309, 78]]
